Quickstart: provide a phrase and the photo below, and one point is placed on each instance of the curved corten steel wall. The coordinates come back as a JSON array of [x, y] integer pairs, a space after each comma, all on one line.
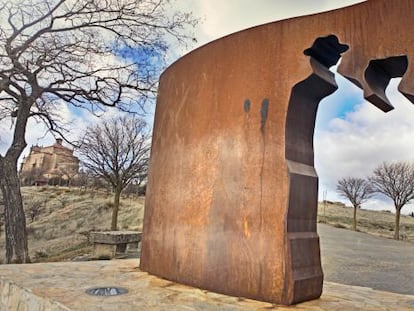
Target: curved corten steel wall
[[232, 192]]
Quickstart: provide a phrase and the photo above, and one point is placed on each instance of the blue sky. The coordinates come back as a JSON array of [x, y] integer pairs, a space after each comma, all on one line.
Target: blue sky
[[351, 135]]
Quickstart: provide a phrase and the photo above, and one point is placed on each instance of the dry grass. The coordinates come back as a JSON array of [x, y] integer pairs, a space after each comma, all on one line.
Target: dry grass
[[379, 223], [66, 215]]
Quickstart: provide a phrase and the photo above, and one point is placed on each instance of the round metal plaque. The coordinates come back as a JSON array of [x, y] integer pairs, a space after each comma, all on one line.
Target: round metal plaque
[[106, 291]]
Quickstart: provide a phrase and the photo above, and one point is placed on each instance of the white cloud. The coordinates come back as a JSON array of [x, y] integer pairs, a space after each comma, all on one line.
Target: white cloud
[[5, 135], [220, 18], [353, 144], [366, 137]]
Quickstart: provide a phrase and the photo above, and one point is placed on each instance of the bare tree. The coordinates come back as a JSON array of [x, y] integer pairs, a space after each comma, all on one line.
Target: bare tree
[[357, 191], [117, 151], [1, 216], [35, 207], [69, 172], [83, 53], [81, 179], [396, 181], [29, 178]]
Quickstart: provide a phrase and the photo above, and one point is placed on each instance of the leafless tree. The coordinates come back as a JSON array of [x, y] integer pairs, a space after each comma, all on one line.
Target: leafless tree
[[29, 178], [1, 216], [396, 181], [35, 207], [69, 172], [117, 151], [82, 53], [357, 191], [81, 180]]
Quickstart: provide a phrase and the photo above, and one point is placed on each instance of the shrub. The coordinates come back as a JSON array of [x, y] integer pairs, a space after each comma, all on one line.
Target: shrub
[[109, 205]]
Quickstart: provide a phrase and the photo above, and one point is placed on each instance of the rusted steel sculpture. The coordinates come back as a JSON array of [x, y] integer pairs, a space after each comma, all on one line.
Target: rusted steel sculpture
[[232, 192]]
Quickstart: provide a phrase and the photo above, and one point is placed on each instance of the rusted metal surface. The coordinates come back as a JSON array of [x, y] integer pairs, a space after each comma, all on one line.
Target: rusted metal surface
[[232, 193]]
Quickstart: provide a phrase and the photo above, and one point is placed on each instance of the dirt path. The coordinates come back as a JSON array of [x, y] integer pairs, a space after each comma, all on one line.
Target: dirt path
[[360, 259]]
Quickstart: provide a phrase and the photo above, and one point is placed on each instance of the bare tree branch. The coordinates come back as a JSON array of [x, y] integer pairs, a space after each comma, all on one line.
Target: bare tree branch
[[117, 151], [356, 190], [396, 181], [75, 53]]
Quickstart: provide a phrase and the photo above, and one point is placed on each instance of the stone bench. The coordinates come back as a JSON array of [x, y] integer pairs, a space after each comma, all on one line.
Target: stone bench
[[110, 243]]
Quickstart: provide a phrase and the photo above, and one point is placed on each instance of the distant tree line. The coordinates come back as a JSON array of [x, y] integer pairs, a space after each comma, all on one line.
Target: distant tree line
[[394, 180], [84, 179]]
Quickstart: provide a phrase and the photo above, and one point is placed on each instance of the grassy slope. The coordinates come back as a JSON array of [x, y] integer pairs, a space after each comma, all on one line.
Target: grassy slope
[[380, 223], [66, 215], [59, 232]]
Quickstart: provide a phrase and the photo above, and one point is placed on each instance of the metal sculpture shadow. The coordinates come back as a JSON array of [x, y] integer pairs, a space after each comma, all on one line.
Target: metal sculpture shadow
[[232, 192]]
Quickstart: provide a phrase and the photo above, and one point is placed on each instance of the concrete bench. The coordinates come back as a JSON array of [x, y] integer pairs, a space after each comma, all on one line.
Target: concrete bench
[[110, 243]]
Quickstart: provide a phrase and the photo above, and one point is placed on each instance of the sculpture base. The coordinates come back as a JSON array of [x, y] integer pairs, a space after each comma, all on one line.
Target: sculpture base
[[24, 287]]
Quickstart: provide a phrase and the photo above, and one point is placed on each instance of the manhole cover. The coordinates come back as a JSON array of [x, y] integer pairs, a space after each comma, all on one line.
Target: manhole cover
[[106, 291]]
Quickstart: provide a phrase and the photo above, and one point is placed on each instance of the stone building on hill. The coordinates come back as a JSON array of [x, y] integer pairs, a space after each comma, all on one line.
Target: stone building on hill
[[53, 164]]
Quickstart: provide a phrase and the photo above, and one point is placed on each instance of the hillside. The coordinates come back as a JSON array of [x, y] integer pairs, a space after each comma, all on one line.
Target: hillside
[[379, 223], [65, 216]]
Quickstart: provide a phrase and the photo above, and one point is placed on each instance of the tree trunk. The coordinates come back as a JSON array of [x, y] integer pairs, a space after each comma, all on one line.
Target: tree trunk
[[115, 209], [397, 223], [354, 222], [14, 218]]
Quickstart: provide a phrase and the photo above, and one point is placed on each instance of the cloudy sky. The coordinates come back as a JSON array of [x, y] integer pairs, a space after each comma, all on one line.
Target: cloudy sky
[[351, 136], [222, 17]]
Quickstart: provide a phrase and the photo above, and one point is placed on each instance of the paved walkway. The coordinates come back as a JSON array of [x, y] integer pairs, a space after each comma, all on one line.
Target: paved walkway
[[61, 287], [347, 257], [361, 259]]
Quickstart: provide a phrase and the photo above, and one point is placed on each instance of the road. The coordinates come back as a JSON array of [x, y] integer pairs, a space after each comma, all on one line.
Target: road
[[361, 259]]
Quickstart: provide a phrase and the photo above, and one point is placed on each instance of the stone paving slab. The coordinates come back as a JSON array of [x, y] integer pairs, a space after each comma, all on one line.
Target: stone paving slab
[[61, 287]]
